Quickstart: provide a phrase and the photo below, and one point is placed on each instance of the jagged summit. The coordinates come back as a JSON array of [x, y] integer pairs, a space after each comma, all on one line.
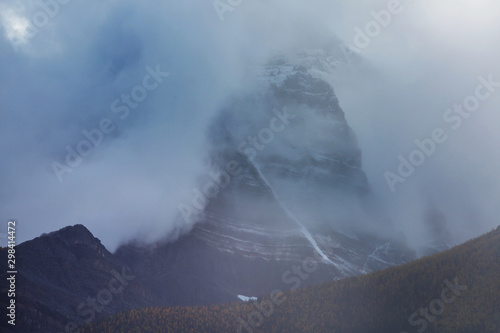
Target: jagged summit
[[299, 192], [74, 235], [77, 231]]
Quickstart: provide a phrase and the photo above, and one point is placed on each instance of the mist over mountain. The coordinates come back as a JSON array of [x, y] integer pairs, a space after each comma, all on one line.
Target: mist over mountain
[[286, 191], [205, 152], [405, 78]]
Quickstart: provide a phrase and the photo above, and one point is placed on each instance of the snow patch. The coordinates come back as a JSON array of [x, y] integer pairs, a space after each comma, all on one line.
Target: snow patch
[[246, 298]]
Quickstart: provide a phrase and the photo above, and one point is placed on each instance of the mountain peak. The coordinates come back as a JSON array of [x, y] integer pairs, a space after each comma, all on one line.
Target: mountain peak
[[75, 234]]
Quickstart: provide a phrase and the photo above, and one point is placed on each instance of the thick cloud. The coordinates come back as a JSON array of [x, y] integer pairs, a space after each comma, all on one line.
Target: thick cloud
[[427, 59], [64, 78]]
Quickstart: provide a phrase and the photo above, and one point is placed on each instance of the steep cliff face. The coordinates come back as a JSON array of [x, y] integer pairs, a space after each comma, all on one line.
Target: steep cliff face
[[300, 166], [296, 191]]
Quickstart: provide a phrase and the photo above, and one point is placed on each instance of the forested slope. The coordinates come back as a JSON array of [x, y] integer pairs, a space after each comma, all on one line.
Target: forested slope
[[456, 291]]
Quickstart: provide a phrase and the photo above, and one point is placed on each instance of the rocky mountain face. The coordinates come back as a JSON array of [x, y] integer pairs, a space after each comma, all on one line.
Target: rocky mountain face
[[286, 184], [285, 192]]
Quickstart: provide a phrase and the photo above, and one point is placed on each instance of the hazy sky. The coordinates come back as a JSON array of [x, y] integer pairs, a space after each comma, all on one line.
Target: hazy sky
[[69, 74]]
